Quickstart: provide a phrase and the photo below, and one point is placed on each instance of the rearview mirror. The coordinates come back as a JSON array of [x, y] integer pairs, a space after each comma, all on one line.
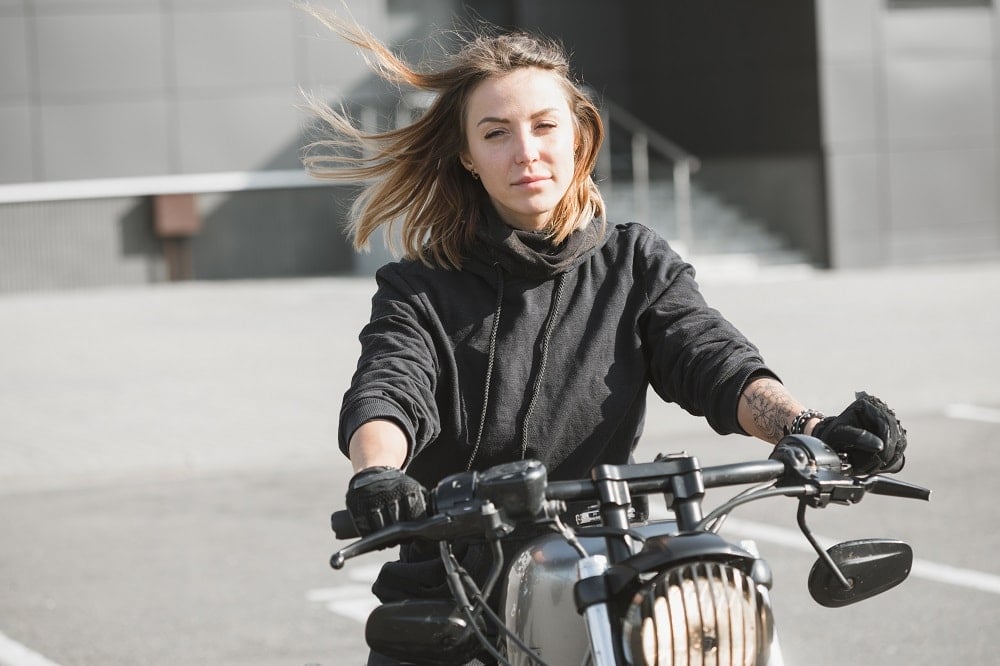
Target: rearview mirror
[[871, 566]]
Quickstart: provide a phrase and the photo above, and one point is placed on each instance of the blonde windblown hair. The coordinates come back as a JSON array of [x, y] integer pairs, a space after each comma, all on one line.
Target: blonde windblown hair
[[413, 173]]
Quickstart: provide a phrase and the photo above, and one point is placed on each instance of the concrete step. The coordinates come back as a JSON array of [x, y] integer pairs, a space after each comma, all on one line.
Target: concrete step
[[719, 229]]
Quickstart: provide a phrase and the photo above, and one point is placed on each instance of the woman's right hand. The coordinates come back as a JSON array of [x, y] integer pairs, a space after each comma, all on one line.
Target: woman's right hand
[[380, 496]]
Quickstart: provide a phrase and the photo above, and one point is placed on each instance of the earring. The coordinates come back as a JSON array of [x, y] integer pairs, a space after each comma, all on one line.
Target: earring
[[475, 174]]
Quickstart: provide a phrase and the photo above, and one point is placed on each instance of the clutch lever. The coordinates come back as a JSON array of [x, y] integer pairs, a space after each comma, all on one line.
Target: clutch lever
[[480, 518]]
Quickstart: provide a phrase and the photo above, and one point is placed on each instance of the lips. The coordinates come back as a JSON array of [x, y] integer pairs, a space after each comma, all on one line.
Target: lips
[[528, 180]]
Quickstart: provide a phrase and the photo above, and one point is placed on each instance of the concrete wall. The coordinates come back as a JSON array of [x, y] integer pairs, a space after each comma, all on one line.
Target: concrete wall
[[121, 88], [909, 122], [89, 243], [104, 88]]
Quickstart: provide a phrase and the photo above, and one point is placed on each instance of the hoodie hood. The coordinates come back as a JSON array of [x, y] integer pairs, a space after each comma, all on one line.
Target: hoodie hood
[[531, 254]]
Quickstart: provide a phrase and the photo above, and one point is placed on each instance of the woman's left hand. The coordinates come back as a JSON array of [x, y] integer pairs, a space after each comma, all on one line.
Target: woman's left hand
[[868, 433]]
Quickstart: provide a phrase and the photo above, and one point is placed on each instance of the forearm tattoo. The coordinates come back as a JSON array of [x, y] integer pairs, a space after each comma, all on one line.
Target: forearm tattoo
[[771, 407]]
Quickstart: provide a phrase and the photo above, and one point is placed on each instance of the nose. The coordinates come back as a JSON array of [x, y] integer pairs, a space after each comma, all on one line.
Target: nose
[[527, 150]]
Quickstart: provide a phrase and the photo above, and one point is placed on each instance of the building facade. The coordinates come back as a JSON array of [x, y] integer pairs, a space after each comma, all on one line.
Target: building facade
[[862, 131]]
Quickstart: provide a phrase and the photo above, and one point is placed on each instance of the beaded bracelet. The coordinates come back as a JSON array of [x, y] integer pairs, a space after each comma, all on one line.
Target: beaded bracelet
[[799, 424]]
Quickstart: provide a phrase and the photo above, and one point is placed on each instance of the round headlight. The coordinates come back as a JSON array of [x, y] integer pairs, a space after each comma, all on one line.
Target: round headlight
[[699, 613]]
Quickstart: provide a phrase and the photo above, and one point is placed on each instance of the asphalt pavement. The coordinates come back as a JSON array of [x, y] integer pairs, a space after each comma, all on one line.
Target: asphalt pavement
[[168, 462]]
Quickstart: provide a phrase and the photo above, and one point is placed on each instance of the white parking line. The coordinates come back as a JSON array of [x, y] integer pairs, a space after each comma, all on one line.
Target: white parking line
[[972, 413], [13, 653], [354, 600], [932, 571]]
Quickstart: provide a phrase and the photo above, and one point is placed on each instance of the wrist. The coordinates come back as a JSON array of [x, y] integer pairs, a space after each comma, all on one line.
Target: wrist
[[373, 469], [366, 476], [804, 422]]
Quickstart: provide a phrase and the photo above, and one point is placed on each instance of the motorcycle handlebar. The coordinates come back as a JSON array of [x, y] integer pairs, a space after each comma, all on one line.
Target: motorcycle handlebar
[[659, 477], [585, 489], [735, 474]]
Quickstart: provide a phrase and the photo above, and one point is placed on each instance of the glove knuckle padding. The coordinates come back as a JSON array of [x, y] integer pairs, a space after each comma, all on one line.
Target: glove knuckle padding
[[851, 433], [380, 497]]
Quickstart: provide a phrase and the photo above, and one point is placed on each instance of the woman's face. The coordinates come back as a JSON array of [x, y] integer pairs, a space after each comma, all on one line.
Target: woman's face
[[521, 141]]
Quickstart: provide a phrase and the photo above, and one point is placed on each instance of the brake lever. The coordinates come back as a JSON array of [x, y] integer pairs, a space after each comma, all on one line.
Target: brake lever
[[883, 485], [463, 520], [393, 535], [831, 487]]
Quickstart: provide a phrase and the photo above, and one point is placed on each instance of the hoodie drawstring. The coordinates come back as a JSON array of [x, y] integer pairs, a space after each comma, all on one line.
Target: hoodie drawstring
[[489, 364], [537, 388]]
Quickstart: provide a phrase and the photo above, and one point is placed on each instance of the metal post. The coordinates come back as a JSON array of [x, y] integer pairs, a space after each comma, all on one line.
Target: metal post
[[640, 177], [682, 205], [176, 221], [604, 157]]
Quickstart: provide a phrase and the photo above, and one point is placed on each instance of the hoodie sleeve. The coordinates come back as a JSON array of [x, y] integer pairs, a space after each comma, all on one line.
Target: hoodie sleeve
[[696, 357], [396, 375]]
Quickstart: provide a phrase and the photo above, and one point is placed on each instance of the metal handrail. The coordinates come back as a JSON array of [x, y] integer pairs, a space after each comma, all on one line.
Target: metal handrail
[[644, 139], [142, 186], [657, 141]]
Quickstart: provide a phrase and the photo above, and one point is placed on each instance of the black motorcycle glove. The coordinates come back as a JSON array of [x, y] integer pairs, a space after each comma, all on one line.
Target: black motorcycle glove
[[868, 433], [381, 496]]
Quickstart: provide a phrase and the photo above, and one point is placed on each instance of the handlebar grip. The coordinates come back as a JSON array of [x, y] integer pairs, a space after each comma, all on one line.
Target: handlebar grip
[[343, 525]]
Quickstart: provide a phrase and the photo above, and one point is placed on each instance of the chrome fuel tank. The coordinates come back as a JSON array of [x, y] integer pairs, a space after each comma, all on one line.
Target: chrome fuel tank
[[538, 603]]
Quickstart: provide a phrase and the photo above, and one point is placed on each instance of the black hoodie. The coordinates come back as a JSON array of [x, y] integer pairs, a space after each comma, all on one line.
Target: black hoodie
[[534, 351]]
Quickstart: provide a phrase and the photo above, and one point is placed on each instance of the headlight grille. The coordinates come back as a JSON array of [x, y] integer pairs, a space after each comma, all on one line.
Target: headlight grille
[[699, 614]]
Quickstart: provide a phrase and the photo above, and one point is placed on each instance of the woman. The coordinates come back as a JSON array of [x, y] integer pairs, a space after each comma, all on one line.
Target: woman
[[521, 324]]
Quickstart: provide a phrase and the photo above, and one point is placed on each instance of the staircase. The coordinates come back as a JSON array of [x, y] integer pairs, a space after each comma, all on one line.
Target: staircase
[[722, 238], [647, 178]]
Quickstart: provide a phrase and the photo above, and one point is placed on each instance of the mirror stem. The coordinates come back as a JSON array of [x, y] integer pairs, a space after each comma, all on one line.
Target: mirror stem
[[823, 555]]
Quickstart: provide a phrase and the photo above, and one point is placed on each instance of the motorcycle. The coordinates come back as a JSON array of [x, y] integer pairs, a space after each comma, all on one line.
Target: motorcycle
[[659, 592]]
